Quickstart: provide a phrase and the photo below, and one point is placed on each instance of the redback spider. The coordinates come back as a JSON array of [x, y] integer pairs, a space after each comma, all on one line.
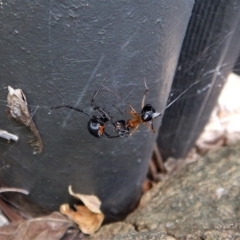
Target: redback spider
[[96, 124], [147, 115]]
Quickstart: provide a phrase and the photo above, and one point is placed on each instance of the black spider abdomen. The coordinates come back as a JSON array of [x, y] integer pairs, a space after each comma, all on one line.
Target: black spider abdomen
[[96, 127]]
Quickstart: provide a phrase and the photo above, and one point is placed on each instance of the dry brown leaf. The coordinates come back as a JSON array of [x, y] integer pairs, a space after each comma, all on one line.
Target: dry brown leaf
[[10, 212], [89, 222], [54, 227], [90, 201], [8, 136], [223, 127], [89, 217], [18, 109]]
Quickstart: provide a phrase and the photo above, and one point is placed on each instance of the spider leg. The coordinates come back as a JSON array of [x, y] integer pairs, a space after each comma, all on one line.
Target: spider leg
[[131, 107], [118, 109], [73, 108], [95, 94], [134, 130], [145, 92], [97, 91], [150, 126], [134, 114], [109, 136], [112, 105], [101, 113]]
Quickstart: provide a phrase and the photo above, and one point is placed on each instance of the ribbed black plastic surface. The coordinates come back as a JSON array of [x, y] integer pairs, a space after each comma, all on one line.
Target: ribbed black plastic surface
[[209, 52]]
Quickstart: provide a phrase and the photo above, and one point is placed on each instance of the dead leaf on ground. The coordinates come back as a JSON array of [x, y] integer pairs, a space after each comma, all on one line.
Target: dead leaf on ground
[[223, 127], [89, 217], [8, 136], [87, 221], [18, 109], [8, 209], [54, 227], [90, 201]]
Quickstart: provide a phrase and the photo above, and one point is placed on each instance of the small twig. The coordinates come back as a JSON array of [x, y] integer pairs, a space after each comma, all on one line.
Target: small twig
[[159, 160], [8, 136], [5, 189], [152, 169]]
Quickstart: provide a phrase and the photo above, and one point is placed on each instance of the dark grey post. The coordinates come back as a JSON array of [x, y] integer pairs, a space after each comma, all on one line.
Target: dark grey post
[[59, 52]]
